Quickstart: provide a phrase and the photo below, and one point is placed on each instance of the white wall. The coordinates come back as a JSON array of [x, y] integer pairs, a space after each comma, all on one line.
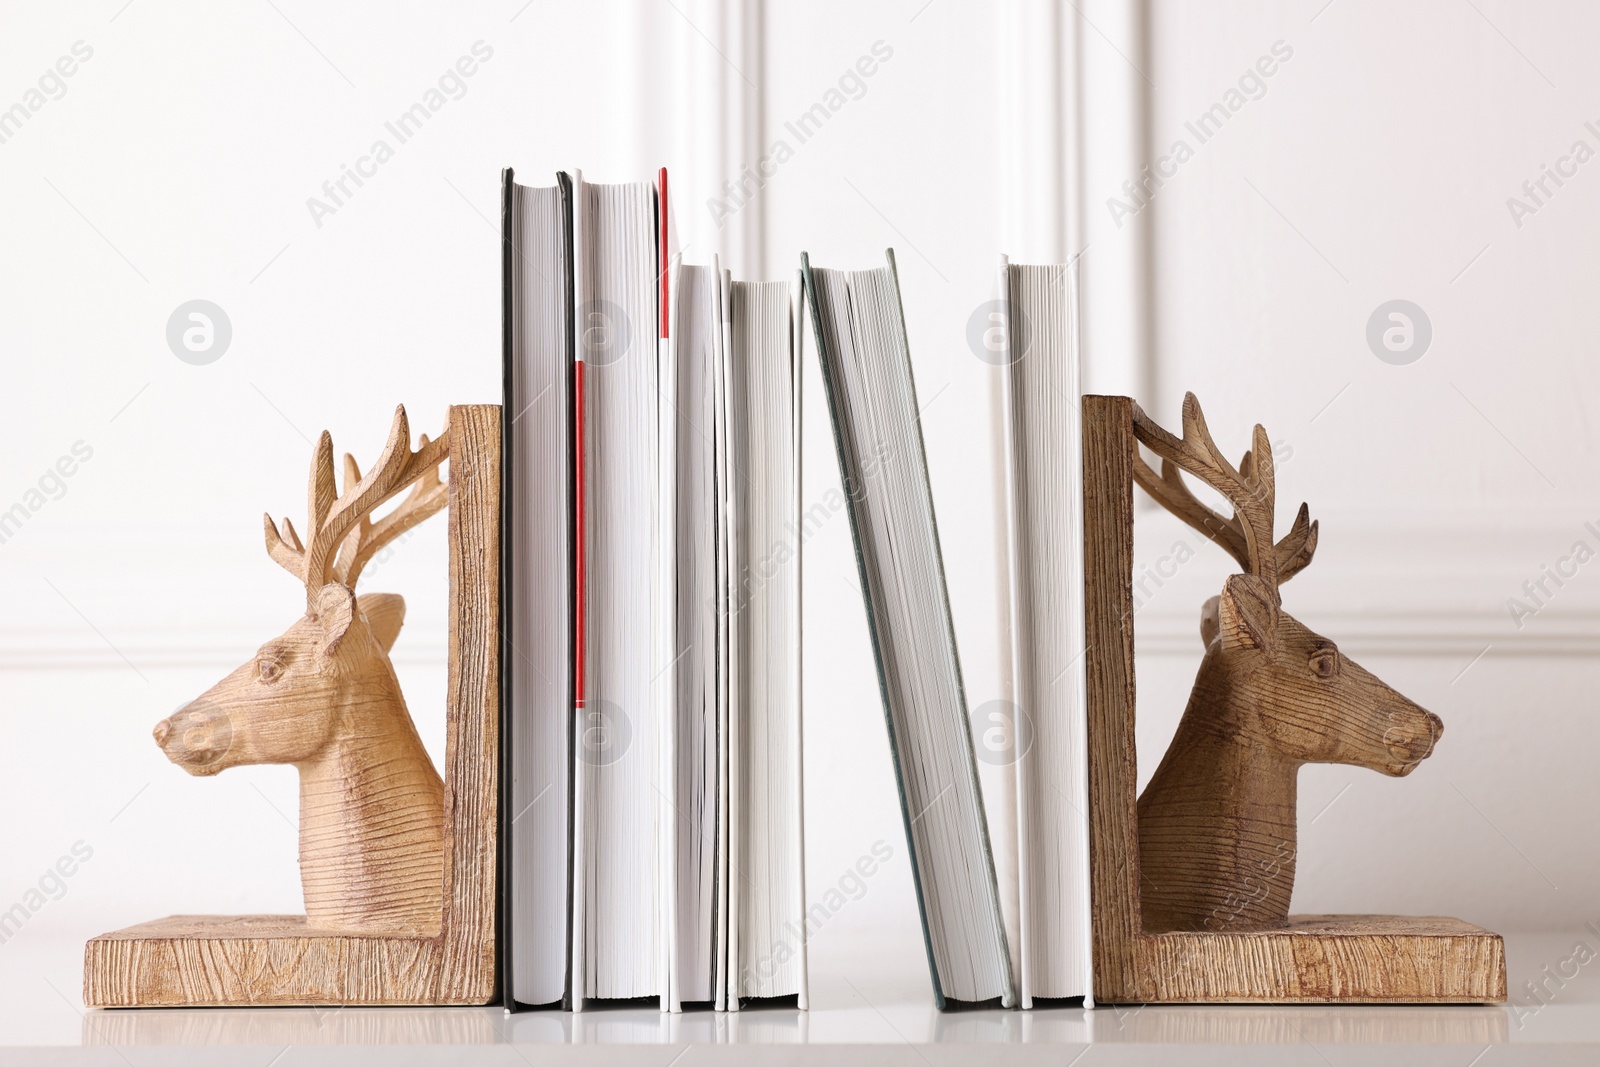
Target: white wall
[[178, 165], [1376, 165]]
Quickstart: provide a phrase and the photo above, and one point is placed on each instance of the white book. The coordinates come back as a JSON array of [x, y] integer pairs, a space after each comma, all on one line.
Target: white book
[[539, 697], [866, 367], [698, 649], [737, 896], [1041, 427], [765, 914], [619, 950]]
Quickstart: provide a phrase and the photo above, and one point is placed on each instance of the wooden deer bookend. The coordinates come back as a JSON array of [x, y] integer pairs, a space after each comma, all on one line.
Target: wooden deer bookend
[[323, 696], [1216, 824], [398, 867]]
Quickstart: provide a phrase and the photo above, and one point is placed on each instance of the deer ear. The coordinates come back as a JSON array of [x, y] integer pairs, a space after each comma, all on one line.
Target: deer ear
[[336, 610], [385, 614], [1210, 624], [1247, 613]]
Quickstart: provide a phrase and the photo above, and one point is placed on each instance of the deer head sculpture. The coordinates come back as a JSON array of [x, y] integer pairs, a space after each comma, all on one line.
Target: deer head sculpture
[[323, 696], [1217, 834]]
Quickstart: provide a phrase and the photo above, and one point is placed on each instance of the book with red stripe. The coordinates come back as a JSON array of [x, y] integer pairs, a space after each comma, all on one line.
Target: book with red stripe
[[582, 894], [618, 948]]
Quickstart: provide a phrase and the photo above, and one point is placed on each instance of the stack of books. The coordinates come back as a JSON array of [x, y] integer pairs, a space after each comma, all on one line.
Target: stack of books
[[653, 612], [653, 829]]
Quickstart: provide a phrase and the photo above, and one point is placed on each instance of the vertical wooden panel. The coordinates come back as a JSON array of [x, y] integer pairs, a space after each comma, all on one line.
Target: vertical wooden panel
[[472, 748], [1108, 631]]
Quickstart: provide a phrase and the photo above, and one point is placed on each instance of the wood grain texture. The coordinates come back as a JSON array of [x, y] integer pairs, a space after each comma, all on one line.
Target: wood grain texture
[[323, 696], [1108, 633], [449, 958], [1217, 823], [472, 746], [1300, 959]]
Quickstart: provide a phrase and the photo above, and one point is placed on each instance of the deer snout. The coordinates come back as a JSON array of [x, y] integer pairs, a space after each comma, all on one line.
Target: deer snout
[[1410, 738], [195, 737]]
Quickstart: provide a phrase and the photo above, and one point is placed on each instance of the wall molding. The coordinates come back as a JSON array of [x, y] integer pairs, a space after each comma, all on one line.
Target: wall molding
[[1432, 586], [1039, 208], [717, 59], [1415, 585], [31, 649], [1421, 634]]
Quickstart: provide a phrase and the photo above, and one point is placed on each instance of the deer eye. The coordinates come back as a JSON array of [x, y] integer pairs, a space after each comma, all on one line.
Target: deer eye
[[1325, 662], [269, 666]]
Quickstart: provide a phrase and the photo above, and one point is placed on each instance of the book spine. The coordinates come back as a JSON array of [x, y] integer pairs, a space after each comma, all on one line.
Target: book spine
[[796, 653], [579, 492], [729, 743], [1080, 677], [665, 610], [508, 498], [579, 887], [569, 343], [1023, 768]]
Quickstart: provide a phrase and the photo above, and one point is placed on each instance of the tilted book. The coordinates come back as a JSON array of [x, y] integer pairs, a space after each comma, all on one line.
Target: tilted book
[[866, 368]]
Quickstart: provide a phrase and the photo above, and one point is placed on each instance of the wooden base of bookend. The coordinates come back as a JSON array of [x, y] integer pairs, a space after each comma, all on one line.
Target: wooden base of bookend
[[1313, 958], [236, 960]]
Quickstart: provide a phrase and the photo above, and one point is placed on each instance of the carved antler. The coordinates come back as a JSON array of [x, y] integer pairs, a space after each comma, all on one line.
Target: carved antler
[[1247, 536], [342, 533], [428, 494]]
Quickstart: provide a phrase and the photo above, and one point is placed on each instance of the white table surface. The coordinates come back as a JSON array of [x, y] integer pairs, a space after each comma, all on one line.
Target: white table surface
[[860, 1014]]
